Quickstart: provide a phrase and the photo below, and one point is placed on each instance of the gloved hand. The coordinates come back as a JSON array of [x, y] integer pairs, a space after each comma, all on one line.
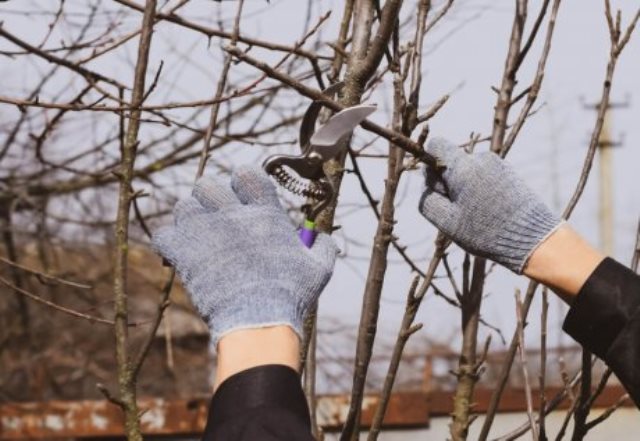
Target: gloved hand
[[483, 206], [240, 258]]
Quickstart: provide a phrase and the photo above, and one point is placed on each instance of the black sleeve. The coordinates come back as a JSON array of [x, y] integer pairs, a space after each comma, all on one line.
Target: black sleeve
[[264, 403], [605, 319]]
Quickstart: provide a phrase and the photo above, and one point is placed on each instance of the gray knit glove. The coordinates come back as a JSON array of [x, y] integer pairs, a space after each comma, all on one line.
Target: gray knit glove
[[480, 203], [240, 258]]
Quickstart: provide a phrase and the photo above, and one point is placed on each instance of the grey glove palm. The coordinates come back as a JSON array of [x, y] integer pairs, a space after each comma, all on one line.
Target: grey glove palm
[[240, 258], [483, 206]]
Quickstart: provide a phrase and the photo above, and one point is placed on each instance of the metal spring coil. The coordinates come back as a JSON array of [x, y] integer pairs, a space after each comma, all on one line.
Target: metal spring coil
[[296, 186]]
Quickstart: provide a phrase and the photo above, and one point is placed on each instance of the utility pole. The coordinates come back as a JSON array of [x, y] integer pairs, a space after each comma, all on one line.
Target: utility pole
[[605, 183], [555, 130]]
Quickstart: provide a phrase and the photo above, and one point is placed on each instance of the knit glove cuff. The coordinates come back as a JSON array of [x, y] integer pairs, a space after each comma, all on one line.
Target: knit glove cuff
[[280, 308], [519, 239]]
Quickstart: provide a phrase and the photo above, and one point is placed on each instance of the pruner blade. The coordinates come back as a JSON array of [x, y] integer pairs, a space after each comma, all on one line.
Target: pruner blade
[[326, 141]]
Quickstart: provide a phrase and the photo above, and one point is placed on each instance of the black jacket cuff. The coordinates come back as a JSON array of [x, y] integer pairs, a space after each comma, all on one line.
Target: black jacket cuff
[[603, 307], [254, 391]]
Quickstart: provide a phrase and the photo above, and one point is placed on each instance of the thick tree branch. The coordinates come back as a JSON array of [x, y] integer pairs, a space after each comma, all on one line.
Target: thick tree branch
[[468, 369]]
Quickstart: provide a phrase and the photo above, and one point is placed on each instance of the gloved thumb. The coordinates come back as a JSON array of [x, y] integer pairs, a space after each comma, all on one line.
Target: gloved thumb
[[439, 210], [164, 243]]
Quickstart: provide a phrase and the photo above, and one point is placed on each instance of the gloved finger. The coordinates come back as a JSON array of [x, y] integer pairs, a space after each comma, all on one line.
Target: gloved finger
[[252, 185], [213, 194], [435, 181], [456, 164], [440, 211], [449, 157], [163, 242], [324, 250], [186, 209], [444, 151]]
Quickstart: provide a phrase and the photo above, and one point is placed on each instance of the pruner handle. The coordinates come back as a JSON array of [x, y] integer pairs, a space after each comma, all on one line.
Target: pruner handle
[[308, 233]]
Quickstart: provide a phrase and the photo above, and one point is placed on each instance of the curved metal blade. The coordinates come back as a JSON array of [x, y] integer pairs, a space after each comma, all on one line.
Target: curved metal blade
[[326, 140]]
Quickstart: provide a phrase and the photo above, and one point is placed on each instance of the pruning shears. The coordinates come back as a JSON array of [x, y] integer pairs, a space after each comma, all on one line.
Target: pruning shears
[[317, 147]]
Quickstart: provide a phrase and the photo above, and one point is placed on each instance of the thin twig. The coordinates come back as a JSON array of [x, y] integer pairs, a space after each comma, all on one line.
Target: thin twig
[[607, 413], [162, 306], [431, 111], [55, 306], [543, 363], [214, 32], [222, 83], [41, 275], [635, 261], [523, 366], [534, 89]]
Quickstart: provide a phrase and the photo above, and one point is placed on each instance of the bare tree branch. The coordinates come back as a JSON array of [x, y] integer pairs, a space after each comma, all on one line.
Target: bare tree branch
[[523, 365], [126, 370]]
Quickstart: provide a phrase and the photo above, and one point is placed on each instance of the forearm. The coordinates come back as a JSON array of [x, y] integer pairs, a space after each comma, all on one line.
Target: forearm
[[604, 297], [247, 348], [563, 262]]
